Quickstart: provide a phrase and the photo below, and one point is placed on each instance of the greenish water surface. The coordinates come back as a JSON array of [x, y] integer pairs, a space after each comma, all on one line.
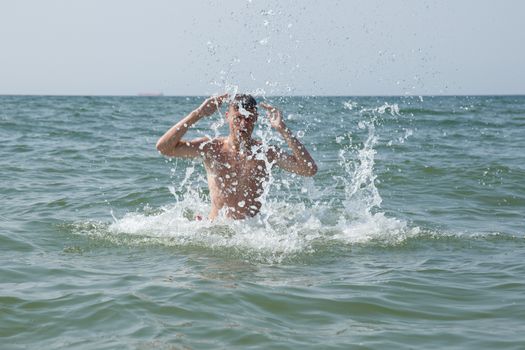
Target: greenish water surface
[[411, 235]]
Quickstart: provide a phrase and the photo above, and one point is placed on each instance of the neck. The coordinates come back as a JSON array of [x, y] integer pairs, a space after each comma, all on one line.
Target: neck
[[239, 142]]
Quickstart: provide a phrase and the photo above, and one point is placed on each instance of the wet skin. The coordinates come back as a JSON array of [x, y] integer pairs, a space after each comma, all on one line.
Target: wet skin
[[237, 166], [235, 179]]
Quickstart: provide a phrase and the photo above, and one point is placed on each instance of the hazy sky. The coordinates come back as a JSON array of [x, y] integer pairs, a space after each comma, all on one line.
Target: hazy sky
[[197, 47]]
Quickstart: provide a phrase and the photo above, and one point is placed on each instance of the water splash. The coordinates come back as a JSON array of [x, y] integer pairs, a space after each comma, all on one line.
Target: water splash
[[362, 221], [289, 223]]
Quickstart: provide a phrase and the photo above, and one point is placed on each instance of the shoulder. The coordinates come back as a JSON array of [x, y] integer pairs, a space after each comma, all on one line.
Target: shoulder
[[211, 146], [207, 141], [217, 141], [259, 147]]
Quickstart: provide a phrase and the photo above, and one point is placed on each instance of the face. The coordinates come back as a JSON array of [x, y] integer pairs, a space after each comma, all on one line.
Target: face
[[241, 121]]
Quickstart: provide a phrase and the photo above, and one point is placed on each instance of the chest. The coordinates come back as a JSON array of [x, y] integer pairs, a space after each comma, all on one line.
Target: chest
[[236, 170]]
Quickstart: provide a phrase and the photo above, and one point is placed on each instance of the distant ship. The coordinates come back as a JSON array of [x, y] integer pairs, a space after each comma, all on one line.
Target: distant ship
[[150, 94]]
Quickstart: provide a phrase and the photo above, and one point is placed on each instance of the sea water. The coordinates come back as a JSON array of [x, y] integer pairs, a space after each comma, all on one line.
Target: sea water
[[411, 235]]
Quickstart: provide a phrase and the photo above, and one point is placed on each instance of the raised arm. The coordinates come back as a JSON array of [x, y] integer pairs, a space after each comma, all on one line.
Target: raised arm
[[171, 143], [300, 161]]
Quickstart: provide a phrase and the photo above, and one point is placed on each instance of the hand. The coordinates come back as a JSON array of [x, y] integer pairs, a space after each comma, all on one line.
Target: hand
[[276, 118], [211, 105]]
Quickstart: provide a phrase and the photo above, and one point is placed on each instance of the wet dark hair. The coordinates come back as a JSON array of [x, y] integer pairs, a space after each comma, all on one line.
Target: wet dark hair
[[246, 101]]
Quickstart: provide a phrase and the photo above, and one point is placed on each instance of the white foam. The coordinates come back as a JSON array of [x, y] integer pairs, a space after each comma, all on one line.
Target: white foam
[[284, 227]]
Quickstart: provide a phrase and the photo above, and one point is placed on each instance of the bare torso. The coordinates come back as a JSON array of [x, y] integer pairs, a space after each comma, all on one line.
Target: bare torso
[[237, 166], [235, 178]]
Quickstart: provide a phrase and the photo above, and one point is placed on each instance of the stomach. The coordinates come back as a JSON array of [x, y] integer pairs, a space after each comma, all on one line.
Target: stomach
[[236, 204]]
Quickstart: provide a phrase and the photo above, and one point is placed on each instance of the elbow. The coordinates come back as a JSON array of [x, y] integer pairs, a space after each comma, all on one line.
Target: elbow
[[161, 147], [312, 170]]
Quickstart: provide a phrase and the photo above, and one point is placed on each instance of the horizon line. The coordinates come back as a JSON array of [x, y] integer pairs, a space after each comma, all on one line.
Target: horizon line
[[305, 95]]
